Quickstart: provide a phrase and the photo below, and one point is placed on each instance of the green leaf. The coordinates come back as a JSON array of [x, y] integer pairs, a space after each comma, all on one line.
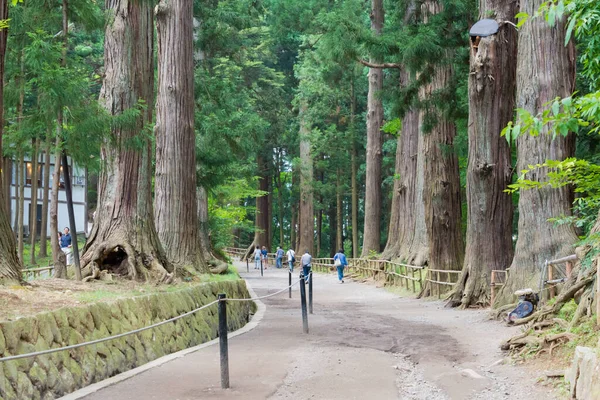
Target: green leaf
[[522, 17], [551, 16], [555, 108]]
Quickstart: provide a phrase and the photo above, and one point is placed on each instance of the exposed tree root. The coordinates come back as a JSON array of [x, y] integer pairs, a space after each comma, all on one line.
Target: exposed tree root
[[497, 313], [121, 259], [217, 266]]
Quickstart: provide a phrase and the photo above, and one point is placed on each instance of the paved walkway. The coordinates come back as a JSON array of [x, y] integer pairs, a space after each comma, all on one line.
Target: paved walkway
[[364, 343]]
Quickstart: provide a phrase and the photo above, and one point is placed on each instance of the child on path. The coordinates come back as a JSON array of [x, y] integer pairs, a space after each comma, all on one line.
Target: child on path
[[265, 255]]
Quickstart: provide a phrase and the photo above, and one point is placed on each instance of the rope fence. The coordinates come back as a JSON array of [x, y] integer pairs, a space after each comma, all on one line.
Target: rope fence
[[135, 331]]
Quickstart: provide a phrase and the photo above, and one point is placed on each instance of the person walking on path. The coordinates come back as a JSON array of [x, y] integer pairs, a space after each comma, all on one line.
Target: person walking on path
[[279, 256], [257, 256], [340, 262], [291, 257], [305, 261], [265, 255]]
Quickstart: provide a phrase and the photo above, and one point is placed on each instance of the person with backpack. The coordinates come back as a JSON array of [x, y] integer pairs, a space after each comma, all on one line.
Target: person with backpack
[[291, 256], [279, 255], [305, 261], [265, 256], [340, 261]]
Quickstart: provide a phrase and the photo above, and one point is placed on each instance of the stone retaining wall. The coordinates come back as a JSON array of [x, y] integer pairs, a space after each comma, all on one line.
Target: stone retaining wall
[[53, 375]]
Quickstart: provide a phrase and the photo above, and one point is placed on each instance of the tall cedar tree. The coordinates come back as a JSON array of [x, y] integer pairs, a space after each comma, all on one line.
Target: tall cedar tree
[[407, 235], [545, 70], [372, 226], [306, 217], [492, 82], [441, 194], [175, 203], [124, 237], [10, 266]]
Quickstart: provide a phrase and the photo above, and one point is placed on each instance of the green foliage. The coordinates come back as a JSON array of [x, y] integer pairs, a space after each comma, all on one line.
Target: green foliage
[[571, 171], [227, 211]]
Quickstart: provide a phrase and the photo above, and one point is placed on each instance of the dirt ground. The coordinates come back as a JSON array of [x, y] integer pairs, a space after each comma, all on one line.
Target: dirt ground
[[50, 294], [364, 343]]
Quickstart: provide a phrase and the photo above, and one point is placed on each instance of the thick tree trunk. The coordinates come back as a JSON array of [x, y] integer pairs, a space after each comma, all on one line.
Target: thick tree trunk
[[372, 226], [7, 170], [354, 182], [407, 234], [45, 197], [34, 200], [176, 216], [10, 266], [124, 238], [545, 70], [441, 194], [492, 82], [307, 214]]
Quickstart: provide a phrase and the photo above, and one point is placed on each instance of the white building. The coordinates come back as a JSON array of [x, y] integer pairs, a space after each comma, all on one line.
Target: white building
[[79, 189]]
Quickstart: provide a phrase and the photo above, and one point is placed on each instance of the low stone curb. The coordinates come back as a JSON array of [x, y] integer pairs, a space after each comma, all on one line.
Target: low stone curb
[[86, 391]]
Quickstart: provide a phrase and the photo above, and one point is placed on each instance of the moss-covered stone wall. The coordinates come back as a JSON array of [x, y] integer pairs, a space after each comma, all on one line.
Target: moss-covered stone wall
[[53, 375]]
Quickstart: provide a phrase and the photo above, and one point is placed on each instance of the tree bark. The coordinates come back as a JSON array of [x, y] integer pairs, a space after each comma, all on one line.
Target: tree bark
[[441, 194], [545, 70], [45, 197], [307, 214], [202, 198], [7, 170], [124, 238], [34, 200], [372, 226], [492, 82], [407, 234], [176, 216], [10, 266], [354, 172]]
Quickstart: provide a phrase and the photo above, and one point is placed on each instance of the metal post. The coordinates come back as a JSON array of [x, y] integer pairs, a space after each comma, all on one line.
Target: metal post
[[310, 292], [261, 267], [247, 265], [223, 341], [303, 303], [290, 282]]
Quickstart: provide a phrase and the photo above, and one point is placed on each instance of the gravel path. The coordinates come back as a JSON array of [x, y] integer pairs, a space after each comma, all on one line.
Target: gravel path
[[364, 343]]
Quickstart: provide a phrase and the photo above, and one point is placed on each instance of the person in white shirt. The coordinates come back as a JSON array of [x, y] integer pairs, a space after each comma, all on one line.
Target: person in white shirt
[[257, 256], [305, 261], [291, 257]]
